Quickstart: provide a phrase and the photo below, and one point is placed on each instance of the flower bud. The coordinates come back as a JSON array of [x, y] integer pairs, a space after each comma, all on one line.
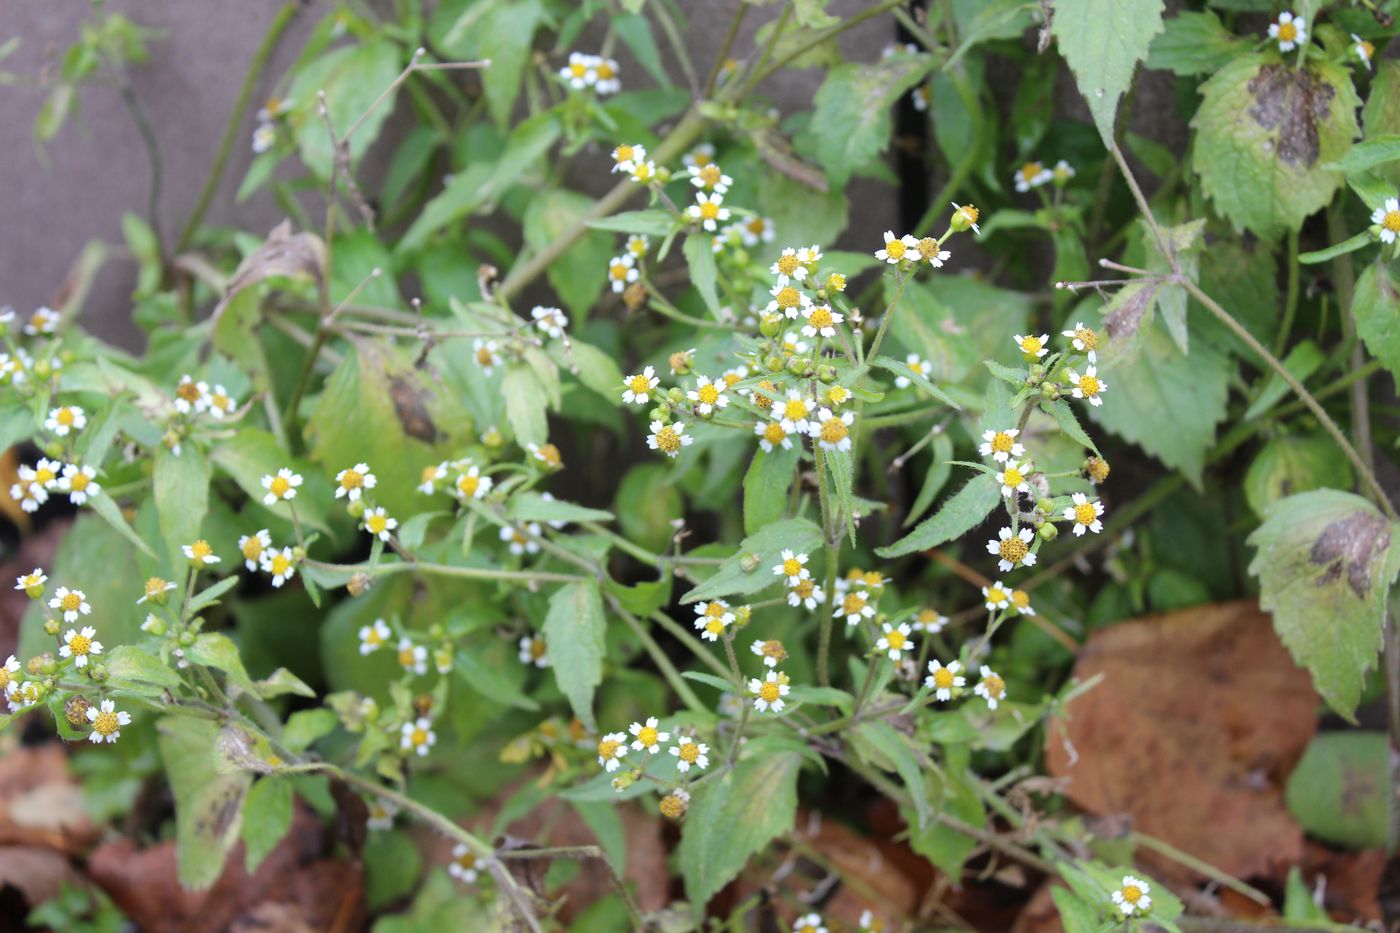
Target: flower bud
[[826, 373], [634, 296], [682, 363], [48, 664], [186, 638], [799, 366], [156, 590], [492, 437], [355, 508], [675, 396], [836, 282], [674, 804], [1047, 531], [298, 553], [773, 363], [359, 584], [770, 324], [661, 413], [51, 628], [75, 711], [154, 625], [43, 369], [964, 218], [1095, 470]]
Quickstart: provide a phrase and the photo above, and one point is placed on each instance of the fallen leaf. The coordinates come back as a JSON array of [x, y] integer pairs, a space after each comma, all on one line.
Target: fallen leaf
[[1199, 720], [1350, 881], [40, 803], [283, 253]]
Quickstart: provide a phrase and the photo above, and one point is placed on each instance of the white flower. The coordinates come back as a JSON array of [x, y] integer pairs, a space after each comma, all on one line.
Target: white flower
[[810, 923], [106, 721], [771, 434], [71, 603], [381, 814], [431, 476], [378, 523], [190, 396], [991, 687], [605, 71], [690, 753], [1032, 175], [969, 215], [252, 546], [855, 605], [471, 484], [622, 271], [757, 230], [896, 248], [637, 245], [768, 693], [794, 413], [534, 650], [669, 439], [1021, 602], [264, 137], [1290, 32], [702, 154], [580, 72], [1033, 347], [646, 738], [32, 582], [821, 320], [412, 658], [374, 636], [1088, 386], [200, 553], [551, 321], [806, 593], [1388, 218], [417, 736], [1132, 896], [712, 617], [1085, 340], [626, 156], [487, 354], [1001, 446], [709, 177], [788, 267], [831, 431], [869, 923], [522, 541], [220, 402], [708, 396], [1062, 172], [930, 621], [941, 680], [920, 366], [1015, 477], [644, 173], [1363, 50], [895, 640], [64, 419], [1084, 513], [281, 564], [708, 210], [770, 651], [612, 748], [351, 483], [44, 320], [1012, 548], [997, 596], [793, 568], [80, 482], [280, 487], [80, 645]]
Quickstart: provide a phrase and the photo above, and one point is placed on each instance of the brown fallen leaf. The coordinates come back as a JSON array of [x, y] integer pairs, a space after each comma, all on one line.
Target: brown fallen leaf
[[1350, 881], [37, 873], [40, 803], [1199, 720]]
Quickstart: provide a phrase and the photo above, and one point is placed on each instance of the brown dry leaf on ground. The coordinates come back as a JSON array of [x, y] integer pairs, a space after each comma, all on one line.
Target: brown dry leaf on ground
[[1198, 721], [40, 804], [1351, 881], [298, 884], [37, 873]]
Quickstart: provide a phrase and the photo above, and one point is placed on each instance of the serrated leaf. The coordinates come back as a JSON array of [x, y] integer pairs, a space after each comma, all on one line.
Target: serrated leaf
[[213, 649], [353, 77], [574, 630], [1292, 464], [1064, 417], [306, 726], [110, 513], [1183, 242], [267, 815], [700, 257], [1193, 44], [1265, 132], [208, 802], [650, 223], [959, 514], [1340, 790], [939, 469], [1325, 566], [918, 378], [1375, 306], [734, 817], [181, 487], [766, 485], [282, 682], [1368, 154], [857, 98], [594, 368], [1102, 41], [886, 748], [761, 552], [526, 403], [579, 275], [129, 665]]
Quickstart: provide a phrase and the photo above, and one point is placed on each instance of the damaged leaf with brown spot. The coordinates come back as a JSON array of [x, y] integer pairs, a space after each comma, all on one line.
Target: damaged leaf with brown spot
[[1325, 564], [1264, 132]]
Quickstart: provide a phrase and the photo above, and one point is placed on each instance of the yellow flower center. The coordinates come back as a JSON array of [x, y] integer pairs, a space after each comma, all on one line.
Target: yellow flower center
[[757, 226], [1097, 470], [787, 297], [896, 639], [1013, 549], [219, 400], [79, 644], [1287, 32], [200, 549], [1030, 345], [188, 391], [351, 479], [969, 213], [65, 417], [374, 637], [623, 153], [607, 749], [1012, 477], [252, 548], [788, 264], [701, 158], [1392, 221], [853, 604], [550, 455], [1089, 385], [406, 657], [731, 378], [280, 565], [43, 476], [280, 485], [895, 249], [154, 587], [647, 736], [833, 430], [5, 678], [820, 317], [618, 271], [1002, 442], [668, 440], [418, 736], [715, 610], [79, 481], [838, 394], [792, 567], [1020, 599], [804, 588], [774, 649], [708, 394], [996, 595], [874, 579], [1085, 514], [484, 357], [578, 69], [943, 678], [994, 685], [1131, 892], [774, 434], [468, 484], [642, 172], [709, 210], [537, 648], [927, 616], [106, 723], [376, 523], [1090, 339], [1366, 49], [795, 409], [689, 752], [928, 248], [710, 175], [1029, 171], [768, 691], [71, 602], [466, 860], [715, 627], [836, 282], [605, 71]]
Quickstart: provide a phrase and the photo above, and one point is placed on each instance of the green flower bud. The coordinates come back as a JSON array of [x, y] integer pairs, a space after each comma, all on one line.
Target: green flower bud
[[826, 373], [186, 639], [355, 508], [661, 413], [799, 366], [675, 396], [770, 325], [773, 363], [1047, 531], [51, 627]]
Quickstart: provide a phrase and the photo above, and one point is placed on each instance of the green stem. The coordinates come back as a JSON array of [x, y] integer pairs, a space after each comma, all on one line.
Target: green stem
[[696, 647], [659, 658], [448, 570], [1290, 304]]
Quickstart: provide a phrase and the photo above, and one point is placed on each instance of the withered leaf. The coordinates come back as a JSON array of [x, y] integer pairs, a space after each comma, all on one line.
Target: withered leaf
[[283, 253]]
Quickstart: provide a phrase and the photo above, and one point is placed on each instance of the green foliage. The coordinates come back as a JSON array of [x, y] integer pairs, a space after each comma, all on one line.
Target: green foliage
[[1339, 790], [208, 801], [1102, 42], [574, 629]]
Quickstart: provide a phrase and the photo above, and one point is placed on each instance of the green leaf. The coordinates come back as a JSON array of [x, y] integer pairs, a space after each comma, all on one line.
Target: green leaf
[[856, 98], [1184, 243], [208, 802], [883, 746], [1292, 464], [766, 485], [813, 14], [1325, 566], [267, 816], [306, 726], [129, 666], [700, 257], [393, 863], [1063, 414], [918, 378], [635, 31], [1340, 790], [1381, 117], [580, 274], [352, 77], [1193, 44], [734, 817], [961, 512], [574, 631], [945, 847], [110, 513], [253, 453], [282, 682], [1075, 915], [760, 552], [1368, 154], [1265, 132], [594, 368], [651, 223], [489, 682], [215, 650], [939, 469], [534, 507], [1375, 305], [504, 36], [1102, 41], [526, 404], [1349, 245], [1301, 362], [181, 487], [1298, 904], [210, 595]]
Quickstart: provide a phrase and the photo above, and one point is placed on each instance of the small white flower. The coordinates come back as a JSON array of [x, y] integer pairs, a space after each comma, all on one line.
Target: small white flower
[[374, 636], [605, 72], [708, 396], [65, 419], [471, 484], [820, 320], [788, 300], [44, 320], [708, 210], [991, 687], [252, 547], [942, 680], [1062, 172], [417, 736], [80, 482], [1290, 31], [1012, 548], [190, 396], [831, 431], [637, 245], [71, 603], [1088, 386], [281, 564], [580, 72], [757, 230], [807, 594], [264, 137], [770, 651], [1001, 446], [788, 267], [351, 483], [709, 177], [1133, 895], [551, 321], [1388, 218], [1032, 175], [919, 365], [930, 621], [644, 172], [669, 439], [771, 434], [220, 402], [80, 645], [702, 154], [106, 721], [381, 814], [1363, 50], [690, 754], [768, 693], [1084, 513], [487, 354], [810, 923], [379, 524], [281, 487], [200, 553], [895, 640], [626, 156], [534, 650], [794, 413], [1084, 339], [855, 605], [622, 271], [612, 748], [897, 249], [1033, 347], [33, 581], [793, 568], [997, 596], [1015, 477], [521, 541], [646, 737], [969, 215], [412, 658]]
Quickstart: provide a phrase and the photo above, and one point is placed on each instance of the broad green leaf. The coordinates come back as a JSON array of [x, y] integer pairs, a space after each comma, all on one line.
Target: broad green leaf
[[1265, 132], [1298, 903], [1102, 41], [393, 863], [1075, 915], [574, 630], [656, 223], [534, 507], [210, 595], [282, 682], [1064, 416], [353, 77], [594, 368], [111, 513], [213, 649], [733, 817], [1375, 306], [1370, 153], [635, 31], [267, 815], [1340, 790], [856, 98], [959, 514], [1184, 242], [646, 504], [526, 404], [253, 453], [1381, 117], [208, 802], [1325, 566], [489, 682], [885, 747], [306, 726], [181, 487], [579, 275], [945, 847], [918, 378], [700, 257], [759, 553], [766, 485], [504, 36], [1193, 44], [1301, 362], [813, 14], [939, 469], [1292, 464], [128, 667]]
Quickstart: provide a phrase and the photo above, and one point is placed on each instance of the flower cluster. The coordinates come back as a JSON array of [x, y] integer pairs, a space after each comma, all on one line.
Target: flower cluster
[[591, 72]]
